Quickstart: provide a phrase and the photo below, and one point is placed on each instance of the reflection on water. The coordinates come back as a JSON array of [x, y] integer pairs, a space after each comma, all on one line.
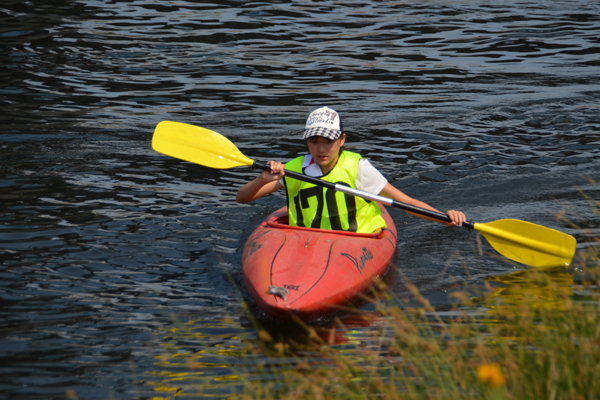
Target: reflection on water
[[198, 357], [211, 359], [549, 289], [115, 259]]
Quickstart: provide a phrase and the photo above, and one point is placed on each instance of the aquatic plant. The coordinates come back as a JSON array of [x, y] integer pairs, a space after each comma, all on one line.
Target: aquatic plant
[[545, 345], [530, 334]]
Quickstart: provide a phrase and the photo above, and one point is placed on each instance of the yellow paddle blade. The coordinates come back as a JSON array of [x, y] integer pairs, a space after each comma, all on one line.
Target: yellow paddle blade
[[198, 145], [529, 243]]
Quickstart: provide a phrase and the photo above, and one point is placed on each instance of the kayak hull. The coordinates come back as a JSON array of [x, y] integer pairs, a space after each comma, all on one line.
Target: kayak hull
[[309, 273]]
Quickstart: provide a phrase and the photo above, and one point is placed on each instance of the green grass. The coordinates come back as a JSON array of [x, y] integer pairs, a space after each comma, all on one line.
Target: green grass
[[542, 342], [536, 337], [532, 334]]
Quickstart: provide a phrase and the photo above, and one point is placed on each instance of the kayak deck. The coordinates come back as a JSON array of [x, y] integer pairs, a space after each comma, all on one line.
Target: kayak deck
[[312, 272]]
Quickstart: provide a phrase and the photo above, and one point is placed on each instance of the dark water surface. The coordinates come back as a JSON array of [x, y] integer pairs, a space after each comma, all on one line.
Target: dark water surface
[[120, 267]]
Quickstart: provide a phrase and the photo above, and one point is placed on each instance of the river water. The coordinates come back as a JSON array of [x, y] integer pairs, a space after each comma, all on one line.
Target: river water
[[120, 267]]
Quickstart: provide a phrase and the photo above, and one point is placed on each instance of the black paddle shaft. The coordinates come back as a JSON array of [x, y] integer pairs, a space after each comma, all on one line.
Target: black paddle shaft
[[369, 196]]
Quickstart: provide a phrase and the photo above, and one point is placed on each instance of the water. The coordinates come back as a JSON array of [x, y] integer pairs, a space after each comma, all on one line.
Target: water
[[120, 273]]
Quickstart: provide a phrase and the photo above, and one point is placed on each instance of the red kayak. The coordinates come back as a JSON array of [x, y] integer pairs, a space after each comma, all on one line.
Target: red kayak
[[309, 272]]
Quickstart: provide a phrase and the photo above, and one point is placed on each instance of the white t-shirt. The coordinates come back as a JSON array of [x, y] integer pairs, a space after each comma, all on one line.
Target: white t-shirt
[[368, 179]]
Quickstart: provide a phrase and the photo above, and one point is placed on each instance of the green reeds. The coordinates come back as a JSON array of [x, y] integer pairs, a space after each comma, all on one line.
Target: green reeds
[[539, 340], [531, 334]]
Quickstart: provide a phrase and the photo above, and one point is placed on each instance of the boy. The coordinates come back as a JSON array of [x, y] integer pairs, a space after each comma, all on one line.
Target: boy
[[312, 206]]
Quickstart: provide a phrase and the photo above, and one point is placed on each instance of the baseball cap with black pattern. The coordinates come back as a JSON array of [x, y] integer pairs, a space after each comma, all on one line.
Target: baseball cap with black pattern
[[323, 122]]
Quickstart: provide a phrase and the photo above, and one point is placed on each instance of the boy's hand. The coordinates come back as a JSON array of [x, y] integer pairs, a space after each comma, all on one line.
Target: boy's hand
[[457, 217], [277, 172]]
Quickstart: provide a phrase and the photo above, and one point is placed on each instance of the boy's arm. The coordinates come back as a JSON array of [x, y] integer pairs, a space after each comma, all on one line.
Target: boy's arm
[[256, 189], [266, 183], [391, 192]]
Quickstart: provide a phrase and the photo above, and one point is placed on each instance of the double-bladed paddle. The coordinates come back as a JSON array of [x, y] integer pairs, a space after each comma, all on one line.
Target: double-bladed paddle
[[517, 240]]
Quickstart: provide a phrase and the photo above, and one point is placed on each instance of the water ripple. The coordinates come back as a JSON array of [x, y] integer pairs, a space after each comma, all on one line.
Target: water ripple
[[117, 258]]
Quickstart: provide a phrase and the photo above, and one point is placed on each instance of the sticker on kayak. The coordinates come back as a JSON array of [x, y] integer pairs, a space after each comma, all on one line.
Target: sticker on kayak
[[254, 247], [362, 260]]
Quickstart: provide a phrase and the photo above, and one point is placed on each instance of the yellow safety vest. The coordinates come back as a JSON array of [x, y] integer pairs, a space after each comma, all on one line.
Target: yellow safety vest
[[314, 206]]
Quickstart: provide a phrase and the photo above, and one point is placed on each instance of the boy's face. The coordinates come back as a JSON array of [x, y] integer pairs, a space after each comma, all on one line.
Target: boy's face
[[325, 152]]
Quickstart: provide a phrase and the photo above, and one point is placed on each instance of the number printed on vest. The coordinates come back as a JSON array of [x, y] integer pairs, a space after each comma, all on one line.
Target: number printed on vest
[[333, 208]]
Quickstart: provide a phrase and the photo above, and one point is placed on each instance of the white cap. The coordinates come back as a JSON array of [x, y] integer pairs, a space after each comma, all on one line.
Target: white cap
[[323, 122]]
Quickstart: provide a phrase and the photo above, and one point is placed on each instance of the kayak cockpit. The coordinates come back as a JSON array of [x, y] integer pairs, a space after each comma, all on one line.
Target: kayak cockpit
[[280, 220]]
